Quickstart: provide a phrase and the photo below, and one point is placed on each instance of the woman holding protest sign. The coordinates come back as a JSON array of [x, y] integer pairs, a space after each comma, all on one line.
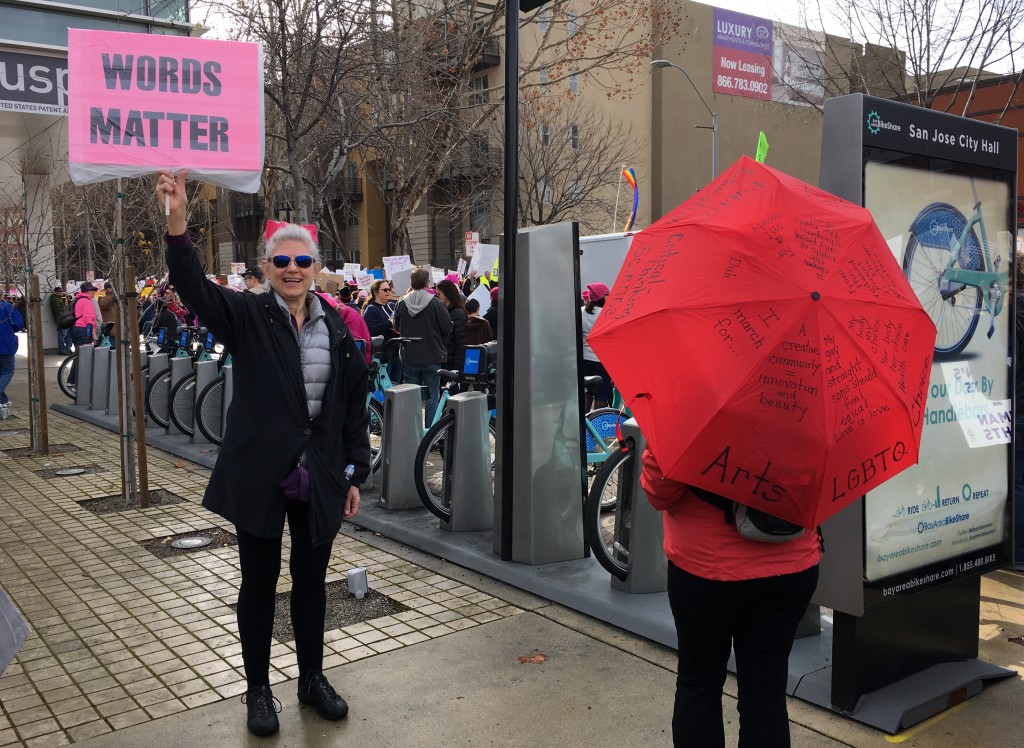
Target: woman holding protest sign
[[295, 444]]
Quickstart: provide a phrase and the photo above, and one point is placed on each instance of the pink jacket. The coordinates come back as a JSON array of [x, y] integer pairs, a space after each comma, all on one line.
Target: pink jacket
[[86, 313], [353, 321], [699, 541]]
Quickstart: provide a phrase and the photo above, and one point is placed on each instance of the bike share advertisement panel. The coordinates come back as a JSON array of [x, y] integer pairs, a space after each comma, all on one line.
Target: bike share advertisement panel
[[947, 211]]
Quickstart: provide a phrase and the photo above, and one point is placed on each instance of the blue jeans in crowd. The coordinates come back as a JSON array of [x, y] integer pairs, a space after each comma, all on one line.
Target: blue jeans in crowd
[[6, 375], [79, 338], [425, 375], [63, 340]]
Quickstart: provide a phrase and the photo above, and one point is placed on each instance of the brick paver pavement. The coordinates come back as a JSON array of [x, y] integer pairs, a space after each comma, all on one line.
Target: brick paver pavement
[[120, 636]]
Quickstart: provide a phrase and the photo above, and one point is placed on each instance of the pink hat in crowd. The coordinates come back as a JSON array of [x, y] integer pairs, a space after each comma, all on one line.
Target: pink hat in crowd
[[494, 295], [585, 296], [453, 277], [597, 291]]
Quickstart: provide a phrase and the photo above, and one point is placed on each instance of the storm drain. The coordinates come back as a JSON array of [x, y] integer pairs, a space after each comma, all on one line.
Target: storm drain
[[68, 472], [119, 503], [54, 450], [189, 542], [342, 609]]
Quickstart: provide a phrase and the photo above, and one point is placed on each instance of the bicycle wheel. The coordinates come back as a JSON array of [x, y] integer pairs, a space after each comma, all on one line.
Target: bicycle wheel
[[183, 402], [63, 372], [158, 398], [376, 434], [607, 532], [209, 413], [432, 465], [954, 307]]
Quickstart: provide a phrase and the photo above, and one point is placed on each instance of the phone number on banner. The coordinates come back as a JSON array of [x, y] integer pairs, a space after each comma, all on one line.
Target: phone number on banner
[[742, 84]]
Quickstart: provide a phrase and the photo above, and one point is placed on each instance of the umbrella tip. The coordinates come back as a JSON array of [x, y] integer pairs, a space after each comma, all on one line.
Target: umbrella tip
[[815, 295]]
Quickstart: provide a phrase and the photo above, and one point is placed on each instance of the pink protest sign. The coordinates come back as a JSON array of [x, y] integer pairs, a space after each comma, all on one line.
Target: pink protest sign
[[142, 102]]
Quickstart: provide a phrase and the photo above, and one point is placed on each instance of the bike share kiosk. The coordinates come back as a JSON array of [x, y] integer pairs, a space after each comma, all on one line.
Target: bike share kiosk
[[902, 567], [83, 375], [546, 507], [102, 363]]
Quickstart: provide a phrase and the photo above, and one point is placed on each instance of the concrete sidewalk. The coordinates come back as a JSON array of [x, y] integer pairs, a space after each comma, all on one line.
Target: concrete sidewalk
[[130, 649]]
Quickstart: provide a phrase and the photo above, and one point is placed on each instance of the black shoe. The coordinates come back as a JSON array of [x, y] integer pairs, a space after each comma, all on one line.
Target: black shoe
[[263, 709], [319, 693]]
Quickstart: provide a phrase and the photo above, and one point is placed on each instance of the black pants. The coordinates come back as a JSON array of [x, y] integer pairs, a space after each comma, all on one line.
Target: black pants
[[758, 618], [260, 560]]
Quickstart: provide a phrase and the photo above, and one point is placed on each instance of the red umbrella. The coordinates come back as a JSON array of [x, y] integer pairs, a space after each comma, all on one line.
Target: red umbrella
[[769, 346]]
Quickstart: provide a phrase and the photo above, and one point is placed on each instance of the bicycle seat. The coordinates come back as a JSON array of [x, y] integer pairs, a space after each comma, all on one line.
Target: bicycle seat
[[376, 344], [107, 328], [591, 383]]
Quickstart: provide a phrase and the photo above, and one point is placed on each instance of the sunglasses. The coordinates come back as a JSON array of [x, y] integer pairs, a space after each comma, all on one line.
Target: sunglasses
[[283, 261], [382, 288]]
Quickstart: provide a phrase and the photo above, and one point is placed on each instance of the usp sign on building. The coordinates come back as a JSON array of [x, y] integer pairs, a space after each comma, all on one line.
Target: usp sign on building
[[142, 102]]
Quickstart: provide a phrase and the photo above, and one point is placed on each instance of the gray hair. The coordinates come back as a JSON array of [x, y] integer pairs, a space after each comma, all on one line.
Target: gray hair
[[292, 232]]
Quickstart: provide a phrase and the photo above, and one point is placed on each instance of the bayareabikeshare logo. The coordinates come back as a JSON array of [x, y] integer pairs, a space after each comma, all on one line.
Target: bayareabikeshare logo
[[876, 124]]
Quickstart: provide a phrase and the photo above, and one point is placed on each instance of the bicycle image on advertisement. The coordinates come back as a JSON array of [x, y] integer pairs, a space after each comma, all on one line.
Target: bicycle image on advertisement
[[954, 274]]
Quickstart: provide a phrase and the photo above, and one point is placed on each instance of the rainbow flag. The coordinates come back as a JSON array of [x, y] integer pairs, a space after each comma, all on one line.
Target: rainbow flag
[[630, 176]]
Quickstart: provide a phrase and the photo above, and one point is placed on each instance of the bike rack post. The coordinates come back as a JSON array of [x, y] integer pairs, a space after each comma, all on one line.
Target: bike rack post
[[180, 368], [229, 390], [648, 566], [403, 430], [83, 375], [206, 372], [467, 488], [113, 406], [101, 359]]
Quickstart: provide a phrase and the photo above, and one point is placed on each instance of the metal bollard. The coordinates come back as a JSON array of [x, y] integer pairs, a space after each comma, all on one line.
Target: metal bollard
[[180, 368], [468, 487], [648, 566], [206, 372], [403, 430], [83, 375], [102, 358]]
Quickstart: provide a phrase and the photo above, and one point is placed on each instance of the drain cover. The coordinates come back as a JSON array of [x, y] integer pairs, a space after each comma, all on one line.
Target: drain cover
[[69, 471], [196, 541]]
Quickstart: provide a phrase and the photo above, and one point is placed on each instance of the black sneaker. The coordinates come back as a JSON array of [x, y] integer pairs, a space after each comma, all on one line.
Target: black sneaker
[[263, 709], [319, 693]]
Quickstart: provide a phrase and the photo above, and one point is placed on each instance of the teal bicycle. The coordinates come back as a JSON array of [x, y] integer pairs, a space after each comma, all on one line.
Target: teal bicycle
[[953, 273]]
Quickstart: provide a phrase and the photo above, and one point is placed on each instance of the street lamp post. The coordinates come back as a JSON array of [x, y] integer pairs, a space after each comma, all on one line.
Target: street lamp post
[[714, 117]]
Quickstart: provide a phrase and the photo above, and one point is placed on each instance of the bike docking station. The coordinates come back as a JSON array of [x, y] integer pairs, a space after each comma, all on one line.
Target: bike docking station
[[403, 430], [467, 486], [181, 367], [641, 537], [902, 566], [206, 372], [102, 358], [83, 376]]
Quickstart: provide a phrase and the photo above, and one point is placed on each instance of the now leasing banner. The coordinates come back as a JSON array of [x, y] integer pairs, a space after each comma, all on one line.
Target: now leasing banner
[[142, 102], [742, 50]]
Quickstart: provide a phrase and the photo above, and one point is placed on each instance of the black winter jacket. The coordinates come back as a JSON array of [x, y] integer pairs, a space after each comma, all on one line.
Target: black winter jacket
[[268, 426], [457, 338]]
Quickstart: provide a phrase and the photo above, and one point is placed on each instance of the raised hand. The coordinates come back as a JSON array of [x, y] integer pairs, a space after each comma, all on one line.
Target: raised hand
[[170, 194]]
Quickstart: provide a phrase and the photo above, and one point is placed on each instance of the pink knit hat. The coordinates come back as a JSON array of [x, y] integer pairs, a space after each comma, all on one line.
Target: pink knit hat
[[597, 291]]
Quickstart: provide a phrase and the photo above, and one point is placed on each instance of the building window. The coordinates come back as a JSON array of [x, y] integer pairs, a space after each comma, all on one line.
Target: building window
[[574, 192], [479, 90], [542, 76], [574, 137], [544, 19], [545, 135], [573, 25], [574, 82], [545, 191]]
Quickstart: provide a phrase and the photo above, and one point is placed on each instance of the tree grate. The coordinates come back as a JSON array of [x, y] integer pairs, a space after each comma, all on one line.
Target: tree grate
[[55, 449], [119, 503], [342, 609]]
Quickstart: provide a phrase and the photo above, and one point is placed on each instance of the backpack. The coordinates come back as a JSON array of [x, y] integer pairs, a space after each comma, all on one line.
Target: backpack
[[67, 317], [752, 524]]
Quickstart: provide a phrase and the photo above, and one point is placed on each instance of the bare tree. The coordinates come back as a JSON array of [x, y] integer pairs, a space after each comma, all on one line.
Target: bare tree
[[926, 52], [570, 160]]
